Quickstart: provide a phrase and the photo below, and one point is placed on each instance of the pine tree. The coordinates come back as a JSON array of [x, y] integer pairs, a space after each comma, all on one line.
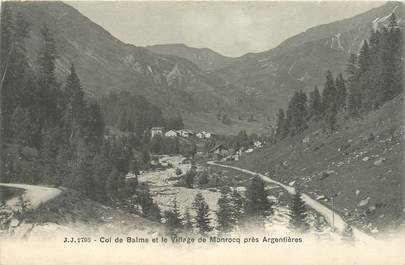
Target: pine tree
[[173, 218], [257, 206], [224, 212], [315, 104], [330, 120], [189, 178], [330, 102], [203, 178], [202, 214], [341, 92], [49, 111], [364, 58], [297, 113], [392, 70], [329, 94], [75, 94], [238, 205], [149, 208], [154, 213], [188, 223], [282, 126], [298, 215]]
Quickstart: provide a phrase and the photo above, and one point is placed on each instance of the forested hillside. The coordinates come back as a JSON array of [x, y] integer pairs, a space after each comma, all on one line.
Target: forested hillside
[[374, 76], [51, 134], [345, 145]]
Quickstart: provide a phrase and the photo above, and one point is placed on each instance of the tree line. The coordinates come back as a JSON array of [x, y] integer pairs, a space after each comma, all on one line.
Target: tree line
[[134, 113], [373, 77]]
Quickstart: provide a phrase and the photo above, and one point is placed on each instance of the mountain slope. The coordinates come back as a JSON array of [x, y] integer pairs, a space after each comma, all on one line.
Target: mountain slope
[[204, 58], [301, 61], [106, 64], [361, 165]]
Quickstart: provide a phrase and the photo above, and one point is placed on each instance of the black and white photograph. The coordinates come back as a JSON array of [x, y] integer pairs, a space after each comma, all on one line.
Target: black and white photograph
[[202, 132]]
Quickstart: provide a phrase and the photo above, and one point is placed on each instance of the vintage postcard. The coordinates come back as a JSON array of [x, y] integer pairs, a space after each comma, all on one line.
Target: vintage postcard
[[214, 132]]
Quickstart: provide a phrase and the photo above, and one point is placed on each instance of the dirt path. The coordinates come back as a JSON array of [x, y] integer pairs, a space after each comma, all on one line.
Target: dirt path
[[339, 223], [34, 195]]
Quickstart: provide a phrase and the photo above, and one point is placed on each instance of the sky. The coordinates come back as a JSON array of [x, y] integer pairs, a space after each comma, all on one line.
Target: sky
[[230, 28]]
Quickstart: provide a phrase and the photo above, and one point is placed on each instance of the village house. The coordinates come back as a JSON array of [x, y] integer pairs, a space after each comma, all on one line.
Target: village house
[[206, 134], [171, 133], [203, 135], [219, 151], [156, 131], [190, 132], [257, 144], [183, 133]]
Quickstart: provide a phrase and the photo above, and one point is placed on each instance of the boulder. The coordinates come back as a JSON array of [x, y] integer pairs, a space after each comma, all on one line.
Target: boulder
[[291, 183], [363, 202], [379, 161]]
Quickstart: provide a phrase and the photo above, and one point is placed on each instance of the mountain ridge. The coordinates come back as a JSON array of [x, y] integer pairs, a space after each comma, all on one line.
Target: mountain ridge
[[105, 64], [255, 83], [301, 61], [206, 58]]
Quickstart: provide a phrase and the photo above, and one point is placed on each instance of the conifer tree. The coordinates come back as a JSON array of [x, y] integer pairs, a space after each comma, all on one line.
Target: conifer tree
[[48, 90], [202, 214], [297, 113], [392, 71], [315, 104], [188, 223], [257, 206], [154, 213], [146, 200], [329, 94], [298, 215], [364, 58], [173, 218], [224, 212], [341, 92], [330, 102], [282, 126], [238, 205]]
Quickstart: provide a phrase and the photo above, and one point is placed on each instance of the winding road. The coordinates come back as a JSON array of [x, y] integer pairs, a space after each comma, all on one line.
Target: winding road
[[339, 223], [34, 195]]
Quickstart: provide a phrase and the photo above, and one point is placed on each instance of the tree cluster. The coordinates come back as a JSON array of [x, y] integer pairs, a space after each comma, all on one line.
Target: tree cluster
[[373, 77]]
